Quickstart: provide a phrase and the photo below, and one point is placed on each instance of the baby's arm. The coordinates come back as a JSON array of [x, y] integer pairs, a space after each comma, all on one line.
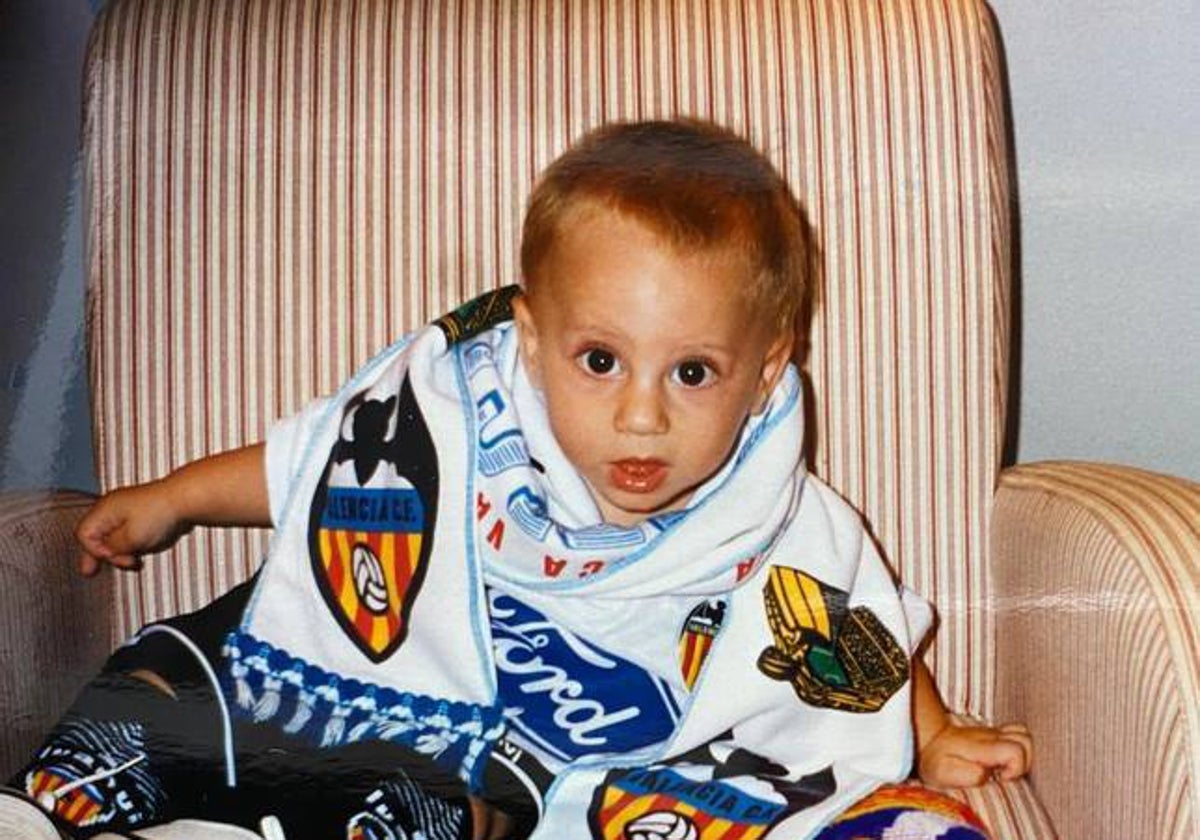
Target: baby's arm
[[225, 489], [952, 756]]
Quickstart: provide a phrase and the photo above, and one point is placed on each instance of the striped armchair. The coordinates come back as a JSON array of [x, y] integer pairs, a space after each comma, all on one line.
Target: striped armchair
[[277, 189]]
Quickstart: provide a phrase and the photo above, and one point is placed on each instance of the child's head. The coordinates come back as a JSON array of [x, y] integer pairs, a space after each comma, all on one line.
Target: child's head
[[663, 265], [697, 186]]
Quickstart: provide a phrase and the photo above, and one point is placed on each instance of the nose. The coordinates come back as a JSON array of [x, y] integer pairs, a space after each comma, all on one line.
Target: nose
[[642, 410]]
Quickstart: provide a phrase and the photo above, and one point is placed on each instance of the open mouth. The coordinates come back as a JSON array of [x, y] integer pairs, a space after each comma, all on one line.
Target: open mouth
[[637, 475]]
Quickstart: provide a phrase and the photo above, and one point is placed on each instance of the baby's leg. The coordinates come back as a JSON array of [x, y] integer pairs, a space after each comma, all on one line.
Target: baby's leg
[[94, 770], [489, 823], [140, 744]]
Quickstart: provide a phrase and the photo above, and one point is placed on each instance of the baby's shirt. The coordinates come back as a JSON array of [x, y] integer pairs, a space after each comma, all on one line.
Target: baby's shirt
[[462, 597]]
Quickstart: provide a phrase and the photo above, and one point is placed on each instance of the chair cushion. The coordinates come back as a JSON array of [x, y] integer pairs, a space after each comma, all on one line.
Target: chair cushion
[[56, 629], [1010, 810], [277, 190]]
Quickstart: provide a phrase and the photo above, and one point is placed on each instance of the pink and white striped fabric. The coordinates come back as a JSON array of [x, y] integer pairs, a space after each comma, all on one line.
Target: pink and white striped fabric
[[278, 189], [1097, 587]]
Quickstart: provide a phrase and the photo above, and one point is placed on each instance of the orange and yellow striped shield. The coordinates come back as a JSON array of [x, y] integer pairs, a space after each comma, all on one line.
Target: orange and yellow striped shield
[[80, 807], [696, 640], [661, 802], [369, 543]]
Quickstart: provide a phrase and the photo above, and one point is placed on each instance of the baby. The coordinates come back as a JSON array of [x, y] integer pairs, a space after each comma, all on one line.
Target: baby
[[550, 567]]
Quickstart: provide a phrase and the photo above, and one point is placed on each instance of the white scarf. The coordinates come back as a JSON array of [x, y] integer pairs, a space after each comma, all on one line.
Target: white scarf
[[430, 489]]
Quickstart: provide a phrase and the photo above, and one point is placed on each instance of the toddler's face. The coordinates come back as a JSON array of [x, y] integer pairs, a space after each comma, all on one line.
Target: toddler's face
[[650, 360]]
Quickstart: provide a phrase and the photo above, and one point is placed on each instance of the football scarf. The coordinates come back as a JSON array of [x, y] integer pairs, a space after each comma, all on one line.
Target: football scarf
[[440, 578]]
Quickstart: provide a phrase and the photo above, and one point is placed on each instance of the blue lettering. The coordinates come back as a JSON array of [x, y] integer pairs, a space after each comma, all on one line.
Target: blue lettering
[[720, 799], [389, 510], [571, 696]]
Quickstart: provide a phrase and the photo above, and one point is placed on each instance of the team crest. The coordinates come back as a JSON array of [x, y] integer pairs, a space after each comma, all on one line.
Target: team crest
[[77, 773], [82, 806], [834, 657], [715, 792], [372, 518], [699, 632], [664, 804], [368, 826]]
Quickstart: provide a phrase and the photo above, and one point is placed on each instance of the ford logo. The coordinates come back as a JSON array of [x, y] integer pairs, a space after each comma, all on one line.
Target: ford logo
[[568, 695]]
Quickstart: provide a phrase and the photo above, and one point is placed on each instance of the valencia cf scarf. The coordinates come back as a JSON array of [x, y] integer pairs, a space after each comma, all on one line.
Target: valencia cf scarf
[[440, 578]]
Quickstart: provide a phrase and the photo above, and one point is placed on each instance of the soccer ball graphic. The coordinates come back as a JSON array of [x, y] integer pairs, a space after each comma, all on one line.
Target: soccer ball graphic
[[368, 579], [661, 825]]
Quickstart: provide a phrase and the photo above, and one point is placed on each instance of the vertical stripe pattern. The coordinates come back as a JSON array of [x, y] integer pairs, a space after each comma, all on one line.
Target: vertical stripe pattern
[[277, 189], [1010, 810], [1098, 604]]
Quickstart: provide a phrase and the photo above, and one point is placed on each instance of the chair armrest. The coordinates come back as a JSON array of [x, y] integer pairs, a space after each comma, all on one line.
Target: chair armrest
[[55, 626], [1096, 575]]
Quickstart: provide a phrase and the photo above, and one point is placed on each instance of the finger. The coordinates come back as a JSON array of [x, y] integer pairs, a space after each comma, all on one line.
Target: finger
[[986, 747], [128, 562], [92, 533], [92, 541], [1022, 738], [124, 543], [1024, 760], [1011, 771], [958, 772], [1004, 758], [88, 565]]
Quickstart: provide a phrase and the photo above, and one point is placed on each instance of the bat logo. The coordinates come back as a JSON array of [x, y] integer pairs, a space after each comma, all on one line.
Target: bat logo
[[372, 518]]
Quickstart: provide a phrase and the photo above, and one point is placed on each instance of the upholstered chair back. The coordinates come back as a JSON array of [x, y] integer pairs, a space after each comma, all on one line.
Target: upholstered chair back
[[279, 189]]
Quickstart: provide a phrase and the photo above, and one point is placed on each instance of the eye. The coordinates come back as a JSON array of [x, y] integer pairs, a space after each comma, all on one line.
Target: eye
[[693, 374], [599, 362]]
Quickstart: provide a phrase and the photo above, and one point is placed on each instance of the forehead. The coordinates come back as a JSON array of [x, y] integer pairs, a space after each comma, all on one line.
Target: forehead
[[608, 267]]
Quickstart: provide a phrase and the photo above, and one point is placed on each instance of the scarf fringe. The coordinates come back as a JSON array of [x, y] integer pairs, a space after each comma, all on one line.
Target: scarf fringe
[[267, 683]]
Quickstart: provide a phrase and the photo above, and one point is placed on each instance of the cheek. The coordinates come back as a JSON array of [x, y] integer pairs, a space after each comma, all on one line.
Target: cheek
[[574, 421], [713, 432]]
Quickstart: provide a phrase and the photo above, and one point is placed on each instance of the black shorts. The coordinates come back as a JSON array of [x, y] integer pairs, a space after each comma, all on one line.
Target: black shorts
[[168, 758]]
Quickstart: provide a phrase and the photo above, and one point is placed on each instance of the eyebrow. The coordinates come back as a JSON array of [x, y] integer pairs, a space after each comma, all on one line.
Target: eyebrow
[[603, 334]]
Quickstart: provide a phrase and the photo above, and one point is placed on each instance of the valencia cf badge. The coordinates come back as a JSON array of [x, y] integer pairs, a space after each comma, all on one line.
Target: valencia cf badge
[[89, 775], [661, 803], [699, 632], [372, 518], [834, 657], [714, 792], [80, 806]]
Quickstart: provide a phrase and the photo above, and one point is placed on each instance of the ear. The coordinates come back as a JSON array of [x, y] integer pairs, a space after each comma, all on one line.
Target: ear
[[527, 338], [774, 364]]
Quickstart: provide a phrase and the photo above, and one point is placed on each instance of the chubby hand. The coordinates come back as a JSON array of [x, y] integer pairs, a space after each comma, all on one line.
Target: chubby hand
[[967, 756], [127, 523]]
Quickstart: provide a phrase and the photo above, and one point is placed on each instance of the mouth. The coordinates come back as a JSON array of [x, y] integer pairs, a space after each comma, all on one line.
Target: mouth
[[637, 475]]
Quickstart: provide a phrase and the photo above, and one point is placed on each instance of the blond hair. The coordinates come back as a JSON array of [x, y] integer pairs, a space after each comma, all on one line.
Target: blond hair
[[693, 183]]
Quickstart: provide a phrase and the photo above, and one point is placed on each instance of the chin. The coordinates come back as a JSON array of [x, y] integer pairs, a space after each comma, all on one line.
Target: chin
[[646, 506], [629, 513]]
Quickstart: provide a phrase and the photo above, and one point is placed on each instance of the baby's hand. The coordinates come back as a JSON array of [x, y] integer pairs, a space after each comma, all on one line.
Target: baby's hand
[[967, 756], [127, 523]]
